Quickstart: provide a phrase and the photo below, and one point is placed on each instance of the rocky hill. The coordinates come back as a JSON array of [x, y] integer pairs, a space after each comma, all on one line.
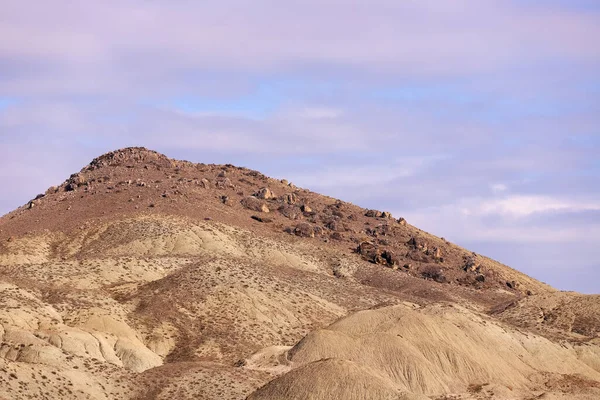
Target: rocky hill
[[144, 277]]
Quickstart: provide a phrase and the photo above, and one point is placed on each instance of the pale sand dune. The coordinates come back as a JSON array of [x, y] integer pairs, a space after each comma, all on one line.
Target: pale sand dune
[[431, 350]]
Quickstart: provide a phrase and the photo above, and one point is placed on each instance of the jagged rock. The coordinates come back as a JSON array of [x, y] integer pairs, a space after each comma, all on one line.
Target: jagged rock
[[290, 211], [386, 214], [304, 229], [365, 248], [471, 265], [417, 243], [370, 252], [224, 184], [129, 156], [254, 204], [305, 208], [434, 273], [205, 183], [401, 221], [390, 258], [380, 230], [265, 194], [373, 214], [74, 182], [435, 252], [334, 224], [290, 198], [338, 213], [258, 175]]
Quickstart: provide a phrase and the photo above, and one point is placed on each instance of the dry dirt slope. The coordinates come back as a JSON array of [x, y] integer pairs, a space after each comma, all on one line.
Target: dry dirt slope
[[144, 277]]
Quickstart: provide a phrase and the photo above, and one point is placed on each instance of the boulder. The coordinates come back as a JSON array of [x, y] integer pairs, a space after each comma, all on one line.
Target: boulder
[[390, 258], [386, 214], [434, 273], [304, 229], [435, 252], [74, 181], [305, 208], [290, 198], [417, 243], [370, 252], [290, 211], [254, 204], [471, 265], [205, 183], [373, 214], [402, 221], [224, 183], [265, 194], [334, 224]]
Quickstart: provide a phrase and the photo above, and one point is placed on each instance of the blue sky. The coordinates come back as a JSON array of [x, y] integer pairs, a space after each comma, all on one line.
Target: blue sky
[[477, 120]]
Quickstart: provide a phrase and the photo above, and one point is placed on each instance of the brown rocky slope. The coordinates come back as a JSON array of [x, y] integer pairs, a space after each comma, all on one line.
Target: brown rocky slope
[[147, 278]]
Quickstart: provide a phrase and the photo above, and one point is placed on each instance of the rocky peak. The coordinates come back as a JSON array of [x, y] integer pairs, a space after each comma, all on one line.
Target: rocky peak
[[130, 156]]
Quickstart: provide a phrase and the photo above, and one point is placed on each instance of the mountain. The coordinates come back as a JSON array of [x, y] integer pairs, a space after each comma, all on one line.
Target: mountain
[[143, 277]]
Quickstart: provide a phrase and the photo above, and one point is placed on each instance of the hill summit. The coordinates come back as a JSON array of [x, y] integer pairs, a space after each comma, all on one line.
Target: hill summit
[[145, 277]]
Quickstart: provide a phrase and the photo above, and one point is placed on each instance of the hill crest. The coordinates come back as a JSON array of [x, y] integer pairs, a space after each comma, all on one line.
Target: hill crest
[[138, 181], [144, 277]]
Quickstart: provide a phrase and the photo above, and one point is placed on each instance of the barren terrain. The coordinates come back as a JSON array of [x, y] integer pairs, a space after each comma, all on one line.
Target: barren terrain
[[142, 277]]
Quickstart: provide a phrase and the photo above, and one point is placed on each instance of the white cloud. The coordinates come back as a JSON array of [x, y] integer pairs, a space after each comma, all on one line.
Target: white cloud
[[452, 222], [525, 205], [498, 187]]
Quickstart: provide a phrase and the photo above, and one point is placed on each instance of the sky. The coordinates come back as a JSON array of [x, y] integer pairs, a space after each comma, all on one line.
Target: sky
[[476, 120]]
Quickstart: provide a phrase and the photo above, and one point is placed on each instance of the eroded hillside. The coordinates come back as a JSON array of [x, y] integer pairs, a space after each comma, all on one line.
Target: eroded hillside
[[144, 277]]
